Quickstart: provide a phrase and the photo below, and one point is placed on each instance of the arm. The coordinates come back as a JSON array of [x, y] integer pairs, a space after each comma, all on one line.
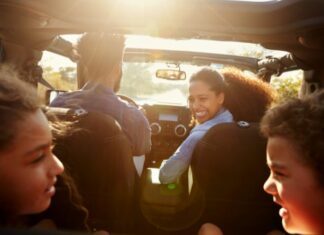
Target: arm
[[137, 129], [180, 160]]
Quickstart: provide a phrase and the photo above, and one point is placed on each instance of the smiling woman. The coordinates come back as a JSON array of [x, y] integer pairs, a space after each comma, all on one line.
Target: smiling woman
[[206, 97]]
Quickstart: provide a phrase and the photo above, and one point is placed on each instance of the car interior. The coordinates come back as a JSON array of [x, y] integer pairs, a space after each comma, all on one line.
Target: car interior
[[216, 188]]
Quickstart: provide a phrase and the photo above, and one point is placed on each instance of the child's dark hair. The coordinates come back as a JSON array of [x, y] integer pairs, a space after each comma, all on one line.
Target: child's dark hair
[[17, 99], [300, 121]]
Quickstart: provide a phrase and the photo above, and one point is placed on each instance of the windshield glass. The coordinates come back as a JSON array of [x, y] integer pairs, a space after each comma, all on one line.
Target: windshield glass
[[140, 83]]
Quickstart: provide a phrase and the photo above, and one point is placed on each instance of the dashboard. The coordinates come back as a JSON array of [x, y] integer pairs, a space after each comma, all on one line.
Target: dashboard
[[170, 125]]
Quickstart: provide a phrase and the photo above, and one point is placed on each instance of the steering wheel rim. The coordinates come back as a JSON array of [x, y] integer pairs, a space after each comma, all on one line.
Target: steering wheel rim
[[129, 100]]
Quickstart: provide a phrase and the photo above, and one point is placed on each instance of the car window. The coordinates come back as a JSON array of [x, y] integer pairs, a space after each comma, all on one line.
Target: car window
[[287, 84], [140, 83], [59, 72]]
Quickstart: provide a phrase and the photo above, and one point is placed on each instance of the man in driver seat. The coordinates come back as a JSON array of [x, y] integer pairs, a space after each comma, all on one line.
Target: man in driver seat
[[100, 64]]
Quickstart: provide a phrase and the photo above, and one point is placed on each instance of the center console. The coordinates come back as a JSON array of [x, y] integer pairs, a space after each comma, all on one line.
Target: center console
[[170, 126]]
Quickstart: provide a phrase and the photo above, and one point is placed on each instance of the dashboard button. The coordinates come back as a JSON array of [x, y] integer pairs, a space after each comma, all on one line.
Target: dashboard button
[[155, 128], [180, 130]]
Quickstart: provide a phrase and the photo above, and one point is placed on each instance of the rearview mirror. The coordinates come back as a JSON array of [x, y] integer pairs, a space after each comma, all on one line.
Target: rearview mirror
[[170, 74]]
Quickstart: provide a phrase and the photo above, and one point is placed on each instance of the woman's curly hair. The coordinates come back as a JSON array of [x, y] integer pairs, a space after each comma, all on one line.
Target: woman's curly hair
[[302, 122], [246, 96]]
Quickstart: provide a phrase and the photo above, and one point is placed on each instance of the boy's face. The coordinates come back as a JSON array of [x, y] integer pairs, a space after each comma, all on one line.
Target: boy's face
[[294, 187], [28, 169]]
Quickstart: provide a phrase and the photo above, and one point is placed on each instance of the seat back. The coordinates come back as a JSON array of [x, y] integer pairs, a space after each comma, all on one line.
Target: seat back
[[98, 155], [229, 164]]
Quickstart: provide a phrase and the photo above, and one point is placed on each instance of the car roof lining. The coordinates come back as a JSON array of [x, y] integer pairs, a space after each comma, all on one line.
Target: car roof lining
[[36, 23]]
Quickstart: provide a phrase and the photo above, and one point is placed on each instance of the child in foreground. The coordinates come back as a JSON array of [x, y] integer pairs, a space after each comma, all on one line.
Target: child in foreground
[[295, 132]]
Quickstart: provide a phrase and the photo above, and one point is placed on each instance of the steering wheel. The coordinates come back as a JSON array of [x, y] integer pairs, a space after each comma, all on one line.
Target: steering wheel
[[129, 100]]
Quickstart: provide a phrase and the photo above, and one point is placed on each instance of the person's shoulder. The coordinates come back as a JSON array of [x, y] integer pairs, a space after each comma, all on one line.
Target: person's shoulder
[[132, 110], [195, 135], [57, 101], [134, 115], [62, 98]]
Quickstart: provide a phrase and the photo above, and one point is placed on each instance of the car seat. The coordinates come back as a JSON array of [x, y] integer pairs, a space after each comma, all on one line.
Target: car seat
[[97, 154], [229, 166]]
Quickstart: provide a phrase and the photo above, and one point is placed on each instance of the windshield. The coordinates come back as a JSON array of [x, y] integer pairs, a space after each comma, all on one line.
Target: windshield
[[140, 83]]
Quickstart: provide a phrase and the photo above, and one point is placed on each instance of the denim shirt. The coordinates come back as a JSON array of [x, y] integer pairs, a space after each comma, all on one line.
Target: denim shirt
[[180, 160], [98, 98]]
